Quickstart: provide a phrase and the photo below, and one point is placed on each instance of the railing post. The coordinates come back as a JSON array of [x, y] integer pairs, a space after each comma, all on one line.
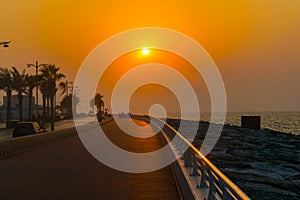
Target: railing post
[[225, 192], [187, 157], [212, 190], [226, 195], [203, 178]]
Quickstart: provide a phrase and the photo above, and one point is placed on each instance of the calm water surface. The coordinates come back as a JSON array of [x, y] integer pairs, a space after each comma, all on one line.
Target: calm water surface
[[288, 122]]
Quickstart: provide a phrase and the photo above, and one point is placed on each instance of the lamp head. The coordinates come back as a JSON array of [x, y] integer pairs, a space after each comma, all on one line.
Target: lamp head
[[5, 44]]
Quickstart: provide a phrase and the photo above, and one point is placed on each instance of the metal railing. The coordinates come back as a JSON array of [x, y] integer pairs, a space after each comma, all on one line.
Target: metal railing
[[212, 184]]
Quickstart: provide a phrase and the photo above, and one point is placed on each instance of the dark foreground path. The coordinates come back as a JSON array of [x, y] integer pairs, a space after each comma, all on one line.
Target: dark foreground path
[[64, 169]]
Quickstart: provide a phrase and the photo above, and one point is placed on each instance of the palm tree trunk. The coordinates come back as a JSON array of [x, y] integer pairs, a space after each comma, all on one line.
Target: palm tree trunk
[[48, 108], [8, 109], [20, 98], [99, 114], [73, 109], [30, 105], [52, 113], [44, 106], [66, 111]]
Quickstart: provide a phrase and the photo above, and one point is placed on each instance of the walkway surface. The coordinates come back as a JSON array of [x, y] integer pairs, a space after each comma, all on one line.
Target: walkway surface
[[63, 169]]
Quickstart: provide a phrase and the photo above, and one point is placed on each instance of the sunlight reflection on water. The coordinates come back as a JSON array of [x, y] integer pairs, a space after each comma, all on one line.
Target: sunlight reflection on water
[[287, 122]]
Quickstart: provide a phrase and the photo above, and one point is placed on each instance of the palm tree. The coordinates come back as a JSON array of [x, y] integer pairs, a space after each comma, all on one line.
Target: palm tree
[[32, 81], [63, 86], [51, 76], [99, 103], [66, 103], [19, 85], [44, 88], [6, 85], [69, 104]]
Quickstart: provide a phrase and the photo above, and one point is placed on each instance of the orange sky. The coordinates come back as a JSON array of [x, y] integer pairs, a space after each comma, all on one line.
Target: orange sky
[[153, 93], [254, 43]]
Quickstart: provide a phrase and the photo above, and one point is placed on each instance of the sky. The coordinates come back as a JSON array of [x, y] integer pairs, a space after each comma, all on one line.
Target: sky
[[254, 43]]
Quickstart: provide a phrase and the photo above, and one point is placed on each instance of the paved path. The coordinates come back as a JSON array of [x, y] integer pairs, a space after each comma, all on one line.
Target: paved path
[[65, 170]]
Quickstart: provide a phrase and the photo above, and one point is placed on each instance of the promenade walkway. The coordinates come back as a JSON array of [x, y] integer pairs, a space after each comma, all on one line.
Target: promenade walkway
[[63, 169]]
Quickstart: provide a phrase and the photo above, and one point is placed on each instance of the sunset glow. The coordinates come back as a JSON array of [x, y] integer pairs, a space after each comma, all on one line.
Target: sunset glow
[[145, 51], [246, 39]]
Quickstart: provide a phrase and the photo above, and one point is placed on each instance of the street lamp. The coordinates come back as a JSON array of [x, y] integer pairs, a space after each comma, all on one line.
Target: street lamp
[[5, 44], [36, 65]]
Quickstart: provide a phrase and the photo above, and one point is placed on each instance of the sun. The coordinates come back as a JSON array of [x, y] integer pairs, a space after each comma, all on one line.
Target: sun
[[145, 51]]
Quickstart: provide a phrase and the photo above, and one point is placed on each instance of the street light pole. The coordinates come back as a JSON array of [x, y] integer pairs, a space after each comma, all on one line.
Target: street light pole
[[5, 45], [8, 103], [36, 65]]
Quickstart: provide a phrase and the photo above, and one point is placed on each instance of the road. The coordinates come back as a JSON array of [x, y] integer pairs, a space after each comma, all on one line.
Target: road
[[64, 169], [6, 134]]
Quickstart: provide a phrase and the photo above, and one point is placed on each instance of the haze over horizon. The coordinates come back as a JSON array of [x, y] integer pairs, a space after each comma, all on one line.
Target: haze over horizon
[[255, 44]]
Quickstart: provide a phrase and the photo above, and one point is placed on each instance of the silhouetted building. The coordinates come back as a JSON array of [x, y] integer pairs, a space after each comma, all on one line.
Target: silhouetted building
[[252, 122]]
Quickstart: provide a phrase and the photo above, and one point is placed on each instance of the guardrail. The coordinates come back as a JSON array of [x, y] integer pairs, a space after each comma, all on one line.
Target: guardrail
[[211, 182]]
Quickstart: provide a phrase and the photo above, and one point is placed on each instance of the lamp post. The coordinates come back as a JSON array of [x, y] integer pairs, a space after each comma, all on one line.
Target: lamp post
[[8, 103], [5, 45], [36, 65]]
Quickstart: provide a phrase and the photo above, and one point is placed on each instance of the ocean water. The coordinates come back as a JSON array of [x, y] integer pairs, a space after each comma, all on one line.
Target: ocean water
[[287, 122]]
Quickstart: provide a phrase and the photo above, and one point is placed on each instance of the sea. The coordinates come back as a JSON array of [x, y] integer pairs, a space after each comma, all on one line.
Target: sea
[[286, 122]]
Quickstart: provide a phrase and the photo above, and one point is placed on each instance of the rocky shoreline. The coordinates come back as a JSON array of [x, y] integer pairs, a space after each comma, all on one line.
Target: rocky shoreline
[[265, 164]]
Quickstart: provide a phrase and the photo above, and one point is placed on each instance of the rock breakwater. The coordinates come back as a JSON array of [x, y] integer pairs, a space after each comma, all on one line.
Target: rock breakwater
[[265, 164]]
